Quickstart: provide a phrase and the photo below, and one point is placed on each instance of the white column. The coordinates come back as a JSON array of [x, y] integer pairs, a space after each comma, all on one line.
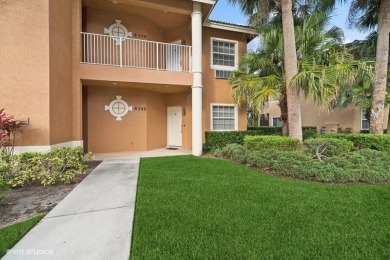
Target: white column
[[197, 79]]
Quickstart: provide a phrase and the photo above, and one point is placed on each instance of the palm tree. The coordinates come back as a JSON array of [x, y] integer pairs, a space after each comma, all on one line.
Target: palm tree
[[366, 15], [324, 67], [265, 9]]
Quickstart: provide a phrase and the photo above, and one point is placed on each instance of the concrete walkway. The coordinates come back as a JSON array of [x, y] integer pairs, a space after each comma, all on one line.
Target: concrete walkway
[[152, 153], [93, 222]]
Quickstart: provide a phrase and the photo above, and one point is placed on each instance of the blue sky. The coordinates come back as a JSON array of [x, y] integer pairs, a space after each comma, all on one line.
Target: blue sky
[[227, 13]]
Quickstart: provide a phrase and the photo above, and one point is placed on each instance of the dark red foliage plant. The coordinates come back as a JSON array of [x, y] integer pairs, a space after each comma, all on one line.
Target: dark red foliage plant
[[8, 130]]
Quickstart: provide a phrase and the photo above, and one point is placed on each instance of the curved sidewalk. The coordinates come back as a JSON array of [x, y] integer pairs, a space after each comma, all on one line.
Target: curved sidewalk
[[93, 222]]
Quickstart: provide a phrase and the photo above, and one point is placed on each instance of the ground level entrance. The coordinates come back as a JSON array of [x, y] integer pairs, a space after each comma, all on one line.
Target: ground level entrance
[[130, 118]]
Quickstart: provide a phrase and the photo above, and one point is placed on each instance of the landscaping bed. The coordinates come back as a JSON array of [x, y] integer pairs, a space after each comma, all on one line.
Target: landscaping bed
[[25, 202], [325, 158]]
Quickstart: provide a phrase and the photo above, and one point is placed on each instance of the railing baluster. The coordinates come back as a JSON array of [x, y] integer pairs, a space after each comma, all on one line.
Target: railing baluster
[[105, 50]]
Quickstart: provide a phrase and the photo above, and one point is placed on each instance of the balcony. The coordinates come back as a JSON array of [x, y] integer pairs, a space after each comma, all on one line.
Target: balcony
[[105, 50]]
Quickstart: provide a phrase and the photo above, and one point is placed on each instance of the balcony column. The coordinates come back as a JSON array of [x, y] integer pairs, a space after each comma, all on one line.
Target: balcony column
[[197, 79]]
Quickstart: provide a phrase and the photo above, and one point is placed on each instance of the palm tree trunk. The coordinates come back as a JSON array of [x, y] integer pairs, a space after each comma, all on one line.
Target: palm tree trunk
[[284, 111], [291, 69], [382, 57]]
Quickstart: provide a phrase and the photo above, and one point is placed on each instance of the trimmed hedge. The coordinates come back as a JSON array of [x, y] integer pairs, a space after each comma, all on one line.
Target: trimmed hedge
[[359, 166], [271, 142], [219, 139], [363, 141], [328, 146], [266, 130]]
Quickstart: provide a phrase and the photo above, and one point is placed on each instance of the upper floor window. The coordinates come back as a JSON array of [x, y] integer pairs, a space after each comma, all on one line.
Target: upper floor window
[[224, 54]]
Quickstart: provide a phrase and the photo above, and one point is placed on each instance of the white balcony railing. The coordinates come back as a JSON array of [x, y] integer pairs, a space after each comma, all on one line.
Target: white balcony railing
[[134, 53]]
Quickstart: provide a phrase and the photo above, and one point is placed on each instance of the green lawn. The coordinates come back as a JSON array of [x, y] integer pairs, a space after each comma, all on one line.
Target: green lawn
[[203, 208], [10, 235]]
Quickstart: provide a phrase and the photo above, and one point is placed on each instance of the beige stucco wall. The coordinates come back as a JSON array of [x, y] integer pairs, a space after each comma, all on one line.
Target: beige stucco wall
[[139, 130], [24, 66], [348, 117], [40, 65], [60, 26], [97, 20], [218, 90]]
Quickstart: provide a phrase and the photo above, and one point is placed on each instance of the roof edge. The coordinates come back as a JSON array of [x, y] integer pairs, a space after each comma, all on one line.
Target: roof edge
[[230, 27]]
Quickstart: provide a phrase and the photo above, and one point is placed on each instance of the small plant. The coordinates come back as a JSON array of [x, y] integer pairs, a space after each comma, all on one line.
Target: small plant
[[2, 187], [8, 129], [60, 165]]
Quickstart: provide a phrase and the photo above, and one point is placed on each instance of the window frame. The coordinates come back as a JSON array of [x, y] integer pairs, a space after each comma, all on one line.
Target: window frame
[[222, 67], [235, 116], [280, 119], [362, 114]]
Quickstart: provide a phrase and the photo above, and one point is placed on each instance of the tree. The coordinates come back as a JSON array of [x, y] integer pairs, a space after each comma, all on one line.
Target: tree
[[366, 15], [324, 66], [264, 10]]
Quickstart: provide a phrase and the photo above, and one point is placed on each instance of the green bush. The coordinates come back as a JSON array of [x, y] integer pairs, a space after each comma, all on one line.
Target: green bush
[[60, 165], [363, 141], [271, 142], [307, 131], [359, 166], [218, 139], [266, 130], [233, 152], [2, 187], [328, 146]]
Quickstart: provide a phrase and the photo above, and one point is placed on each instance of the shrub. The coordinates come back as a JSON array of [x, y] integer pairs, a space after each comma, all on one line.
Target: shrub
[[8, 129], [234, 152], [327, 147], [2, 187], [365, 165], [363, 141], [60, 165], [266, 130], [271, 142], [308, 132], [219, 139]]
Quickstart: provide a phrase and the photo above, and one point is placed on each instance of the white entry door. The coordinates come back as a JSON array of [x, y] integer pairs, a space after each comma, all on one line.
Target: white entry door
[[174, 122], [174, 56]]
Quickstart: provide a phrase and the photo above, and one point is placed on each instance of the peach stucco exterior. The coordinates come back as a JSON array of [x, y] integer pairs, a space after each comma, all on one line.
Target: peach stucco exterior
[[43, 79], [349, 117]]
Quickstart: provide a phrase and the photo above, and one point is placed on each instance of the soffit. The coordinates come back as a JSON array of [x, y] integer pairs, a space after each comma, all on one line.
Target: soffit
[[167, 14], [159, 88]]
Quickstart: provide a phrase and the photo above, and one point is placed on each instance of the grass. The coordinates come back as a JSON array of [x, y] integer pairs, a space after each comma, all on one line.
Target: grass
[[204, 208], [10, 235]]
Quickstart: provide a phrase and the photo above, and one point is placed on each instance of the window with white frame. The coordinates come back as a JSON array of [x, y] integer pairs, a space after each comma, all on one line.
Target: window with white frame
[[365, 123], [224, 54], [222, 74], [223, 117], [276, 121]]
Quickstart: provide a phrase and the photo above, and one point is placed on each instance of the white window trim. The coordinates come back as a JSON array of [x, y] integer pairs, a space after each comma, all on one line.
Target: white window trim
[[220, 67], [235, 116], [361, 119], [272, 121]]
